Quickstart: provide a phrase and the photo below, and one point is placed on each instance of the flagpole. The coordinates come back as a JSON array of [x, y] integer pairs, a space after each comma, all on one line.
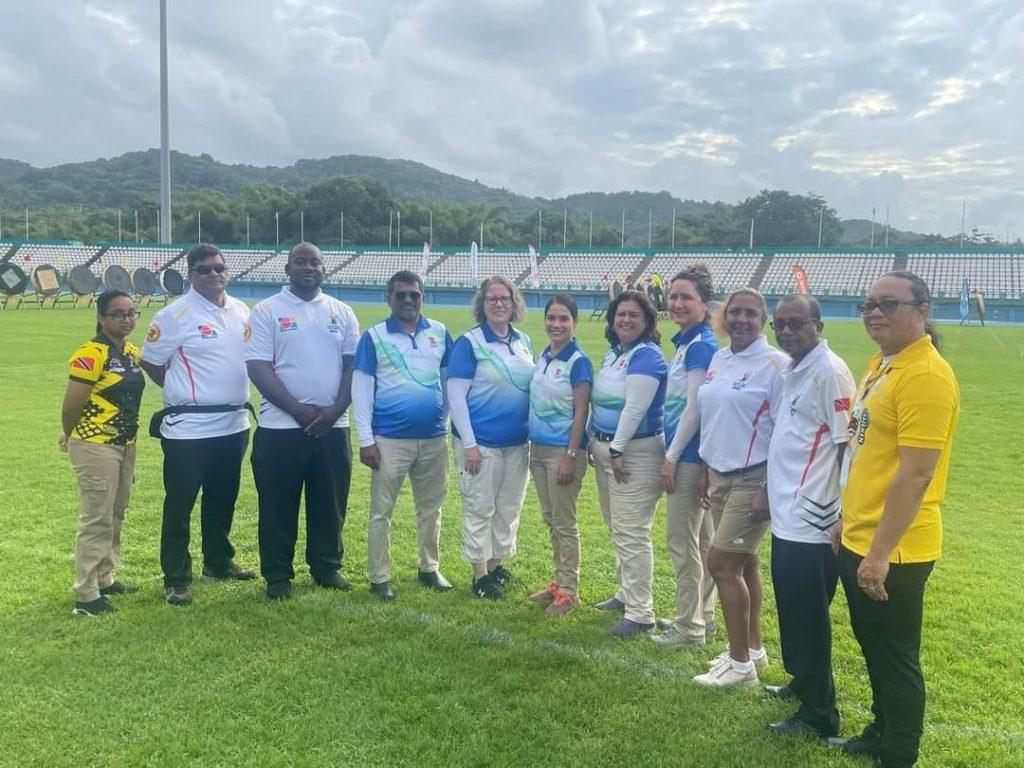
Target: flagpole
[[247, 228], [302, 226], [399, 229], [165, 134], [887, 226], [565, 226], [751, 246], [199, 226], [431, 239], [622, 244], [673, 226], [342, 229], [481, 234], [391, 219], [872, 226], [540, 228], [963, 222], [821, 219], [136, 225], [591, 239], [650, 225]]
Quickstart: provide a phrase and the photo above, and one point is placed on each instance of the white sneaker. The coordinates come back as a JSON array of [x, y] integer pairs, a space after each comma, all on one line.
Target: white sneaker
[[760, 664], [673, 639], [726, 676]]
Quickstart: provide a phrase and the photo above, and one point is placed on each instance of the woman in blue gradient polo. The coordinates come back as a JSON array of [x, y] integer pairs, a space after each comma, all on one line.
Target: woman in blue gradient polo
[[626, 424]]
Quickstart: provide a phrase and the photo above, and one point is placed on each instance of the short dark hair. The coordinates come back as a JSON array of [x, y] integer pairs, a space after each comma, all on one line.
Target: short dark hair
[[404, 276], [650, 315], [303, 247], [565, 300], [202, 252], [103, 301], [812, 304]]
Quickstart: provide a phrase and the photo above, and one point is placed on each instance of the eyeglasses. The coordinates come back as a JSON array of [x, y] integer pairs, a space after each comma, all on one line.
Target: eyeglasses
[[794, 325], [408, 295], [120, 314], [498, 300], [888, 306], [205, 269]]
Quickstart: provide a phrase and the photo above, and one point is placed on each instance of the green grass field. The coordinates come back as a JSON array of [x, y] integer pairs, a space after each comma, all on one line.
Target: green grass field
[[445, 679]]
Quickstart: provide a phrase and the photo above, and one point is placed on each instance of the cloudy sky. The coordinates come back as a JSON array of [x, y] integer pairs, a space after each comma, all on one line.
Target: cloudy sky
[[917, 104]]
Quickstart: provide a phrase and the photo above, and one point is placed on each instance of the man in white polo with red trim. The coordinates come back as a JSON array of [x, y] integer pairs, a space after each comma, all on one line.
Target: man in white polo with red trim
[[804, 457], [195, 350]]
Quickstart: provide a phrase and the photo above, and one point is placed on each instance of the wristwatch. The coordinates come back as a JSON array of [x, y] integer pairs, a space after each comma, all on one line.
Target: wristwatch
[[571, 452]]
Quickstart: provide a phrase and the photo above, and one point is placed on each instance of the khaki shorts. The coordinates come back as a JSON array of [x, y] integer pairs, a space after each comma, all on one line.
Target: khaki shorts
[[732, 500]]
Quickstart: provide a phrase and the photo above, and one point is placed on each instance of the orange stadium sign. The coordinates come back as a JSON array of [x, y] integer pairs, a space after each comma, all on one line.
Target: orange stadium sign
[[800, 279]]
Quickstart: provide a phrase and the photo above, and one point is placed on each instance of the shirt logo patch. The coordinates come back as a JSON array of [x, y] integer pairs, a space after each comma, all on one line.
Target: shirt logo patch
[[333, 326], [621, 363], [84, 363], [432, 341], [842, 404], [153, 334], [741, 383], [792, 405], [207, 332], [286, 323], [709, 377]]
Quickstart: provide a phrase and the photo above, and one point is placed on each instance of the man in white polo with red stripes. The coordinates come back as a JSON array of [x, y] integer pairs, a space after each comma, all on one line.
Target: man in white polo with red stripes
[[804, 499], [195, 350]]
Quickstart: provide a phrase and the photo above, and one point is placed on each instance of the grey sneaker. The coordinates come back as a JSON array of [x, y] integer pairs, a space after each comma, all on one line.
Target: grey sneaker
[[674, 640], [177, 595], [611, 605]]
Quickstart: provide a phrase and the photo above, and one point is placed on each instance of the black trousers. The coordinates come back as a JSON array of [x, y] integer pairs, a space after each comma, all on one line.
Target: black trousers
[[889, 634], [804, 577], [213, 464], [284, 461]]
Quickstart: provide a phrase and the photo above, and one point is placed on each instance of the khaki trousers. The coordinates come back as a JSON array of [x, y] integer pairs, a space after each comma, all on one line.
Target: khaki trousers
[[492, 500], [688, 533], [426, 464], [558, 509], [105, 474], [628, 511]]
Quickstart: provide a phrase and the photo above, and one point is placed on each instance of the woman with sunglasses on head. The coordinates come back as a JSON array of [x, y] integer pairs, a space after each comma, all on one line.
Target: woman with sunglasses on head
[[100, 417], [736, 403], [900, 439], [488, 388], [559, 404], [688, 526], [628, 449]]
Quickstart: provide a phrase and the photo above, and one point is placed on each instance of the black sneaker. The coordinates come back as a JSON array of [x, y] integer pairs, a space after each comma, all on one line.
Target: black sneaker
[[502, 575], [117, 588], [866, 744], [232, 571], [177, 595], [96, 607], [487, 586]]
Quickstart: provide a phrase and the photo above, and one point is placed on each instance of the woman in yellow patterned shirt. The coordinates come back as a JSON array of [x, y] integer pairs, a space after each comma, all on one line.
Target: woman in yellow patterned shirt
[[901, 435], [100, 416]]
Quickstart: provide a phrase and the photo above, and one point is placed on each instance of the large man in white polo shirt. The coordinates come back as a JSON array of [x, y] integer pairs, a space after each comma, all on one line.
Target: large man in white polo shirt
[[804, 498], [195, 350], [400, 414], [299, 355]]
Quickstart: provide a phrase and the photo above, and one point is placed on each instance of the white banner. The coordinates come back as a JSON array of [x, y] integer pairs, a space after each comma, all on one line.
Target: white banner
[[425, 261], [534, 269], [474, 262]]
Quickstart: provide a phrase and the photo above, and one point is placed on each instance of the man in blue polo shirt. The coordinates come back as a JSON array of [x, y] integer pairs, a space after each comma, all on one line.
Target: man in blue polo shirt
[[400, 414]]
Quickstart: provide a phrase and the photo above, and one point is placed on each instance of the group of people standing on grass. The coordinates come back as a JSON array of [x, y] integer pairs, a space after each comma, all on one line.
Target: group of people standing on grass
[[739, 439]]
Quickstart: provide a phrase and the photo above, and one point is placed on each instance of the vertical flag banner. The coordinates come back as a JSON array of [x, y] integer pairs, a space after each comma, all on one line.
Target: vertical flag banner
[[425, 261], [474, 262], [800, 279], [534, 269], [965, 299]]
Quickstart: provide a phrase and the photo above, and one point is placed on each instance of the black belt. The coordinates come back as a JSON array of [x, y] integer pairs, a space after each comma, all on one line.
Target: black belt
[[604, 437], [174, 410], [741, 470]]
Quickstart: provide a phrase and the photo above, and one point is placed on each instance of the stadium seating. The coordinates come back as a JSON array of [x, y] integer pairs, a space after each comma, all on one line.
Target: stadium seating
[[454, 271], [831, 274], [241, 260], [63, 257], [375, 267], [995, 275], [131, 257], [728, 271], [272, 270], [586, 271]]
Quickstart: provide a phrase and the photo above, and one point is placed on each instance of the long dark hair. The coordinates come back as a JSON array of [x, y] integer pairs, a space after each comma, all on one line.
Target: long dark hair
[[650, 314], [104, 301], [922, 295]]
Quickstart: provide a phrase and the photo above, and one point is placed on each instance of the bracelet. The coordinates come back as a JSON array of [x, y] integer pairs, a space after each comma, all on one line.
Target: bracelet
[[614, 453], [571, 452]]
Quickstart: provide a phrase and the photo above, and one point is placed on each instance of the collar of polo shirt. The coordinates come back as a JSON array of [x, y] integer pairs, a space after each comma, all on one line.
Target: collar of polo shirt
[[690, 334], [490, 336], [756, 347], [908, 354], [286, 292], [819, 349], [565, 354], [393, 327]]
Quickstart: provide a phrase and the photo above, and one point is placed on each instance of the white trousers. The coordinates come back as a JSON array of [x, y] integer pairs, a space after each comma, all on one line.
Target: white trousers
[[492, 500]]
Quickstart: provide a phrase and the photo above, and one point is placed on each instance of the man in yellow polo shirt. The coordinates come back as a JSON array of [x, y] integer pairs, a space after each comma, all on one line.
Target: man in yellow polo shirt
[[900, 439]]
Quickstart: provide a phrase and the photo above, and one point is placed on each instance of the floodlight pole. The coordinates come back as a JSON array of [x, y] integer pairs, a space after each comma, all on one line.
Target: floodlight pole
[[391, 222], [590, 243], [165, 136], [540, 228], [277, 228], [821, 219], [136, 225], [963, 222], [119, 225], [26, 223], [342, 229], [246, 227], [622, 232], [751, 246], [302, 226], [673, 226], [199, 226], [430, 238], [399, 242], [565, 226], [872, 226]]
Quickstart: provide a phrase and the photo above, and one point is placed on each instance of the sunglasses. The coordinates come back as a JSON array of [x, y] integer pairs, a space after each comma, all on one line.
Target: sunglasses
[[794, 325], [407, 295], [888, 306], [205, 269]]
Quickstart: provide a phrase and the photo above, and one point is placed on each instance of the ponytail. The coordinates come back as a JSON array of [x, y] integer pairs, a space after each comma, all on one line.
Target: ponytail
[[922, 295]]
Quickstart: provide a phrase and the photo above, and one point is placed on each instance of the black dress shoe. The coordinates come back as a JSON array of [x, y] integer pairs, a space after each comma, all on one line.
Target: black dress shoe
[[780, 692], [383, 591], [794, 726], [279, 590], [435, 580], [864, 744], [333, 581]]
